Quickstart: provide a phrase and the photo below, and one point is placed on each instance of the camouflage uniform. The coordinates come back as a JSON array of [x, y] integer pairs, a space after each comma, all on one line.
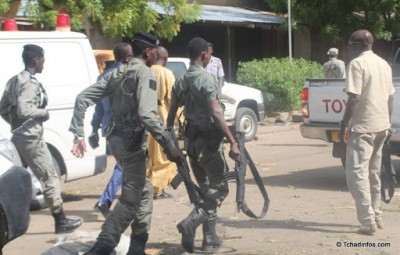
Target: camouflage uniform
[[133, 93], [22, 105], [334, 68], [203, 137]]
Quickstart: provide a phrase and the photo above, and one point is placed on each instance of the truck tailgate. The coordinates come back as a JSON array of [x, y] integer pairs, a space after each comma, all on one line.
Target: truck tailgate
[[396, 111], [327, 100]]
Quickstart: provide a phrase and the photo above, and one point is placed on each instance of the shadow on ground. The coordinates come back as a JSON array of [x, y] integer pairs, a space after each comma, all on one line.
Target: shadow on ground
[[291, 224]]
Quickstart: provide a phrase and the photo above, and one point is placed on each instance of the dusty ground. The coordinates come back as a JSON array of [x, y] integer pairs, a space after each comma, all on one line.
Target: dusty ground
[[311, 211]]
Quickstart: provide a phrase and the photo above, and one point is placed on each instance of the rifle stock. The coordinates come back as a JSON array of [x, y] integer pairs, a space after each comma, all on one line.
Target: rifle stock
[[240, 174], [183, 174]]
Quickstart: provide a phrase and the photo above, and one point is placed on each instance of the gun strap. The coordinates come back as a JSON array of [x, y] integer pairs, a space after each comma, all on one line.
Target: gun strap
[[257, 178], [388, 174]]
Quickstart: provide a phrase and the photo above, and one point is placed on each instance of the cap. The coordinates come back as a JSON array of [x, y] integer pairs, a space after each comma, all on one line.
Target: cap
[[333, 52], [147, 38]]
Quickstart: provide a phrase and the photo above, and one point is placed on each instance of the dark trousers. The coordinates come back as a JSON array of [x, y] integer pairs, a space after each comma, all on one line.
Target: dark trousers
[[135, 204]]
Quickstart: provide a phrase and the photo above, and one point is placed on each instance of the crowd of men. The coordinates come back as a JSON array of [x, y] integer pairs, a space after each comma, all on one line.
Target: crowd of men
[[138, 97]]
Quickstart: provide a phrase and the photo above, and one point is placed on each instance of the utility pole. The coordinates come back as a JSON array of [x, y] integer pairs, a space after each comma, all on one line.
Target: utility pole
[[290, 31]]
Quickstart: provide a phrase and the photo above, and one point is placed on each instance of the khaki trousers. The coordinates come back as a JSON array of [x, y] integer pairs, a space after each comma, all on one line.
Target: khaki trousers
[[35, 153], [363, 166]]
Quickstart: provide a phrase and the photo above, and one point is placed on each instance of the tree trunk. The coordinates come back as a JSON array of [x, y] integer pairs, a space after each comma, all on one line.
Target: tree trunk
[[12, 11]]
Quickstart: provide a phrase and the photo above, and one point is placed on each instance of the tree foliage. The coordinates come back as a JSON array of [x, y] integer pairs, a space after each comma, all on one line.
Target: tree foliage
[[115, 17], [336, 19]]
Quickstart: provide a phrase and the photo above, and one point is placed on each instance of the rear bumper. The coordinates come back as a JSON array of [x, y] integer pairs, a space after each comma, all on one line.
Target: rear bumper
[[321, 132], [324, 132]]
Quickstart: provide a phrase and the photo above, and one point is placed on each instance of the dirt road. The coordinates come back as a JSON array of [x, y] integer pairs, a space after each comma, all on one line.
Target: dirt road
[[311, 210]]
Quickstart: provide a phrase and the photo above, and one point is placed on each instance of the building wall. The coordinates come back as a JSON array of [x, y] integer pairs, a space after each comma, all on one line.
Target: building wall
[[232, 44]]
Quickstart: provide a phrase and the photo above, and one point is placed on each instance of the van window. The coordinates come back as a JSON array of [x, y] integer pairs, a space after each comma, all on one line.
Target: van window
[[65, 72]]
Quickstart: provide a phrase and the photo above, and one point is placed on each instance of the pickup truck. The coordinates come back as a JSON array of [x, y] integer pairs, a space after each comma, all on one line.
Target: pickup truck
[[324, 102], [248, 108]]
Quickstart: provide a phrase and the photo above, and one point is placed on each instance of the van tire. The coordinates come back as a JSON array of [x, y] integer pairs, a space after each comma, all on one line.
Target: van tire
[[38, 202], [246, 121]]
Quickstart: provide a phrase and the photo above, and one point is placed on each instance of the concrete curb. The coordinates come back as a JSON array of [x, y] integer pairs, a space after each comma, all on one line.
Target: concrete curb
[[266, 127]]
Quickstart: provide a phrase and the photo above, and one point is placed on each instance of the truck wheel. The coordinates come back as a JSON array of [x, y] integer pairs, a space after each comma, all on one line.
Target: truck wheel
[[246, 121], [343, 160], [38, 202], [3, 229]]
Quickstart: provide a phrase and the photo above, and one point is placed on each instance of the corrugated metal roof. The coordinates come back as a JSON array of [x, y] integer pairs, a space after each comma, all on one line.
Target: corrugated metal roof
[[217, 13], [228, 14]]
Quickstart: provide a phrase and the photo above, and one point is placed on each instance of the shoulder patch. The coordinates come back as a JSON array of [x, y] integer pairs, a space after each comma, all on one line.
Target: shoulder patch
[[153, 84]]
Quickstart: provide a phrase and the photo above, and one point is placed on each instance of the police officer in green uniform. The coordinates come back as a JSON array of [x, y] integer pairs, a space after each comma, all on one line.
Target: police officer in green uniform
[[23, 107], [132, 89], [205, 129]]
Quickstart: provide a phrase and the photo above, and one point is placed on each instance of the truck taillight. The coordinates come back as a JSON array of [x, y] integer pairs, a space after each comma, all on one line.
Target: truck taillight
[[304, 99]]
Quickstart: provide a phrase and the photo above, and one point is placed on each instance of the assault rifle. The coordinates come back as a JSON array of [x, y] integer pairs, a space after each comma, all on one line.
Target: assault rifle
[[183, 174], [388, 174], [239, 175]]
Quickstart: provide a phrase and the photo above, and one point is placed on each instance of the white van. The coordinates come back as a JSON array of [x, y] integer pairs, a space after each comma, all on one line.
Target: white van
[[70, 66]]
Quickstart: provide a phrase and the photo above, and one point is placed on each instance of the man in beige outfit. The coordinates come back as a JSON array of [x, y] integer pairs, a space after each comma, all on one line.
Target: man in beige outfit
[[367, 117], [159, 169]]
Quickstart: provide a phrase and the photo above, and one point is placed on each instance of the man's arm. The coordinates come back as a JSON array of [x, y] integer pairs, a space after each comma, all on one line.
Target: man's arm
[[97, 116], [218, 117], [172, 112], [170, 80], [26, 106], [147, 97], [86, 98], [220, 77], [220, 84], [147, 111], [4, 106], [390, 107], [348, 113]]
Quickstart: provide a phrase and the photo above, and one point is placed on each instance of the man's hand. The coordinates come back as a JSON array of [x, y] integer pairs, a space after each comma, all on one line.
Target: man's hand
[[45, 117], [234, 153], [94, 139], [173, 154], [79, 148], [389, 135], [171, 151], [343, 133]]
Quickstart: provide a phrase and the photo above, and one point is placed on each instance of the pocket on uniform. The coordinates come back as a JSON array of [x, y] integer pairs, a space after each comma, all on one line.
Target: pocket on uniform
[[135, 141], [214, 141]]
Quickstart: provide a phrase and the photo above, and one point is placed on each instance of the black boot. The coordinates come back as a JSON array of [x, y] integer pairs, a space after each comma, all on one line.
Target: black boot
[[63, 224], [138, 244], [99, 249], [210, 238], [187, 228]]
